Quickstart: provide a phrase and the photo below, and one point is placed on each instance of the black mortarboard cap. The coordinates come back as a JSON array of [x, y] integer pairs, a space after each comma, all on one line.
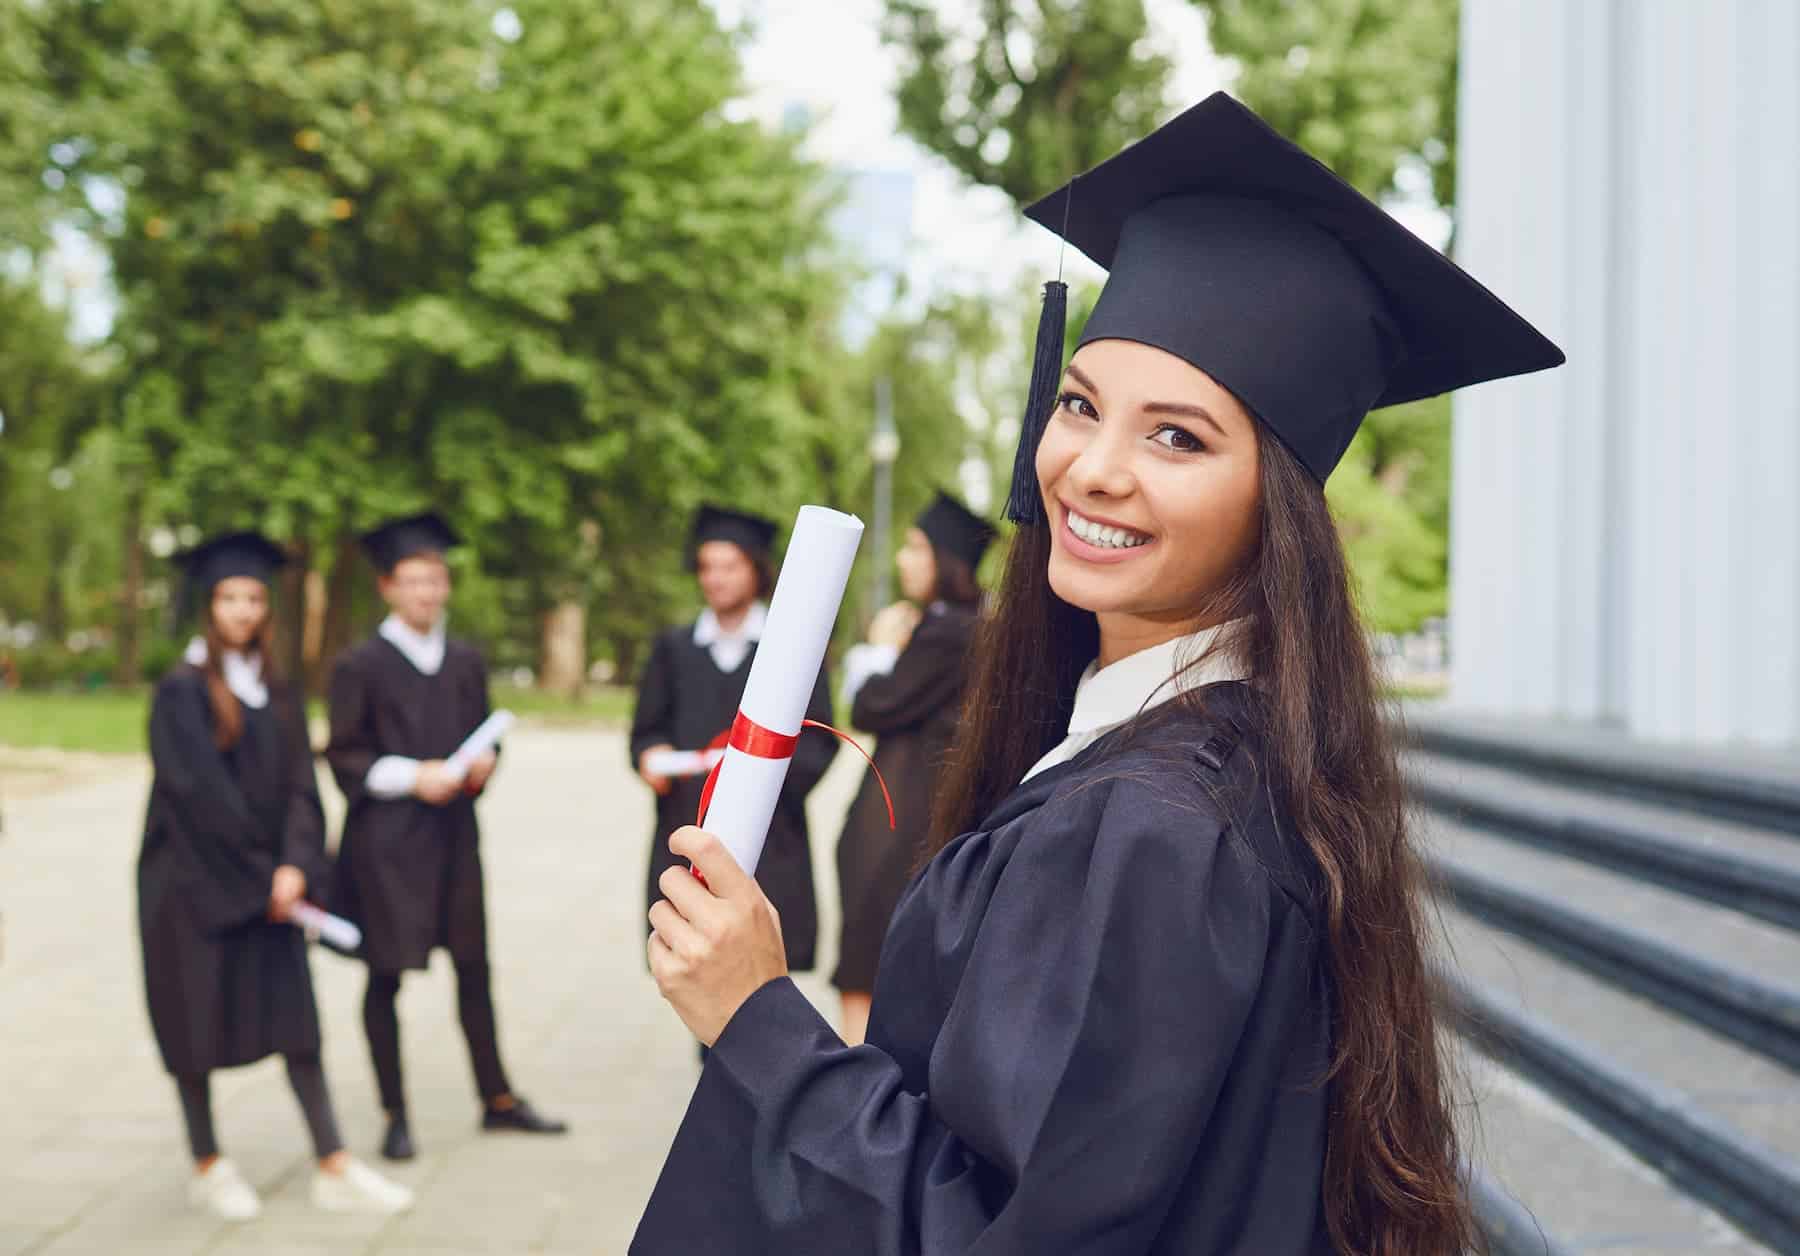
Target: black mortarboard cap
[[220, 558], [953, 527], [391, 543], [753, 534], [1237, 251]]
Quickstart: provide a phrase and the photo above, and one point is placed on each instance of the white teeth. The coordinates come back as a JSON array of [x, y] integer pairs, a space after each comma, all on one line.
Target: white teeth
[[1103, 536]]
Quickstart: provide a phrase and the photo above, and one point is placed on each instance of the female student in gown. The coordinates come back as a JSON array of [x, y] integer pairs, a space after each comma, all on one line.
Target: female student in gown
[[689, 694], [905, 685], [1163, 987], [233, 840]]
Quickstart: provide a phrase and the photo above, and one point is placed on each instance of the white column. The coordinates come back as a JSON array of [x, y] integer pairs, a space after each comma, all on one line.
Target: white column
[[1626, 531]]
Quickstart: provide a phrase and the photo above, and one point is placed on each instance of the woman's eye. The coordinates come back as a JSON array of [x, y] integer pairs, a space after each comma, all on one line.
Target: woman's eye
[[1179, 439], [1075, 403]]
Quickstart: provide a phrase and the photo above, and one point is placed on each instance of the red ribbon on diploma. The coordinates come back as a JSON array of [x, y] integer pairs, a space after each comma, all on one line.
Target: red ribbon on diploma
[[753, 739]]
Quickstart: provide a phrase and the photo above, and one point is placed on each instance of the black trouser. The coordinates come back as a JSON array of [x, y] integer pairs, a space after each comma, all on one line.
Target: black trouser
[[474, 1004], [305, 1074]]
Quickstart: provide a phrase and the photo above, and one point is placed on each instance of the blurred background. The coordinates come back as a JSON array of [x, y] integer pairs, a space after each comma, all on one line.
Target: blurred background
[[563, 269]]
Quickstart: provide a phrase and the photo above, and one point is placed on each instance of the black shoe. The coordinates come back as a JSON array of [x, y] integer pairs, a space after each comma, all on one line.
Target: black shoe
[[521, 1118], [398, 1145]]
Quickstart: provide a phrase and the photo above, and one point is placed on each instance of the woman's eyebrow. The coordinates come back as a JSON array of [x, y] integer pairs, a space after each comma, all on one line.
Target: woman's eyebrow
[[1183, 408], [1189, 410]]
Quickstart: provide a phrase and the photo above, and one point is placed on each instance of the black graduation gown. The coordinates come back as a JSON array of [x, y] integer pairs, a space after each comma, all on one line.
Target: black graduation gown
[[225, 986], [913, 711], [408, 872], [1098, 1030], [685, 701]]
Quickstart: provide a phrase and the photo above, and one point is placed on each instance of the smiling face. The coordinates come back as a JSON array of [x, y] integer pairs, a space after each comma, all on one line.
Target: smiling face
[[917, 563], [240, 605], [727, 575], [1150, 474], [417, 589]]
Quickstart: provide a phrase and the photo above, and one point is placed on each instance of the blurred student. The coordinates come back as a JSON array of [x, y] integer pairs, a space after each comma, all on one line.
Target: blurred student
[[409, 865], [234, 839], [905, 685]]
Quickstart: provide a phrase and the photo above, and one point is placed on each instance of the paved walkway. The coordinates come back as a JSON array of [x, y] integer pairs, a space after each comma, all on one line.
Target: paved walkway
[[92, 1160]]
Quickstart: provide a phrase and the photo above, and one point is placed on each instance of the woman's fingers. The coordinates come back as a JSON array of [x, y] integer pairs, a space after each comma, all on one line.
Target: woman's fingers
[[676, 932], [714, 862]]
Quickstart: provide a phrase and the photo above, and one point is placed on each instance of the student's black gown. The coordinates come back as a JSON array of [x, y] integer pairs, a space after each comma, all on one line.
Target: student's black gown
[[913, 712], [408, 872], [684, 701], [225, 986], [1098, 1030]]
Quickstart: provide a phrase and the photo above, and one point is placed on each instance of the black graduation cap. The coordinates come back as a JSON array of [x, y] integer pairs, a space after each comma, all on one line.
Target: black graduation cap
[[220, 558], [953, 527], [390, 543], [1237, 251], [753, 534]]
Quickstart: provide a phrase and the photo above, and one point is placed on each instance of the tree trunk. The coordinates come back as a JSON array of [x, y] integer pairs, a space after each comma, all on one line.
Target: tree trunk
[[131, 596], [340, 599], [290, 624], [562, 658]]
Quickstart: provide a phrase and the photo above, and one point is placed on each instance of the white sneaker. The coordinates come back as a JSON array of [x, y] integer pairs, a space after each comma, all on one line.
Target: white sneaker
[[222, 1191], [358, 1189]]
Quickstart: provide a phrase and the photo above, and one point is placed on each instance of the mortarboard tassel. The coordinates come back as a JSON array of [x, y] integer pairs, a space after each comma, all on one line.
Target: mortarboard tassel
[[1024, 505]]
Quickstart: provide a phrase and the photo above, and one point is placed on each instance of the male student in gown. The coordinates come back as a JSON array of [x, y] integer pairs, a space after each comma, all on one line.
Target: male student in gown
[[689, 695], [409, 866]]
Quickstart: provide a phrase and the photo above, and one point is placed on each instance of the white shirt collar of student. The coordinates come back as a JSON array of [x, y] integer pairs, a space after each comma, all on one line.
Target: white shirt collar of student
[[424, 650], [728, 648], [243, 673], [1107, 697]]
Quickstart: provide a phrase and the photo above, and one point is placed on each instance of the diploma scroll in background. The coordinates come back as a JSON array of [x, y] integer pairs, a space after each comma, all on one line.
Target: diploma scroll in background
[[782, 675]]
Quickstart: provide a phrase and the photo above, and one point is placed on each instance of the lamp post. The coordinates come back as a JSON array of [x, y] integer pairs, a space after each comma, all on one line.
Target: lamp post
[[884, 448]]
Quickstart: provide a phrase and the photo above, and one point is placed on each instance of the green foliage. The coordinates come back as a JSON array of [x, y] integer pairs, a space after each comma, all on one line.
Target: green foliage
[[109, 720], [392, 252], [1032, 92], [1360, 84]]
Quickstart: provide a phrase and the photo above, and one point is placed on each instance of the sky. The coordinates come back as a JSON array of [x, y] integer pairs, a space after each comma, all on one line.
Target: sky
[[827, 56]]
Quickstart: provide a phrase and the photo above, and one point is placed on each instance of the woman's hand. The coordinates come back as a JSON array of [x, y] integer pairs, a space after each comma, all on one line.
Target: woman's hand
[[715, 943], [287, 888], [661, 784], [480, 772], [436, 784], [893, 625]]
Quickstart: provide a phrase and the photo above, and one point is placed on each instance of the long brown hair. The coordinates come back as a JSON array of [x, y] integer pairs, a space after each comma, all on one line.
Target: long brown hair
[[1392, 1185], [228, 713]]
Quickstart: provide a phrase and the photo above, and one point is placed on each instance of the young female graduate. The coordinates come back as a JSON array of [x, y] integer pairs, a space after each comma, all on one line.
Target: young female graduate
[[409, 865], [1165, 990], [905, 685], [689, 694], [234, 839]]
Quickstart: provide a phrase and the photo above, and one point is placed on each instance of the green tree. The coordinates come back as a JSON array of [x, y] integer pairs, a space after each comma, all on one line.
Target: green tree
[[1363, 85], [1031, 92], [515, 260]]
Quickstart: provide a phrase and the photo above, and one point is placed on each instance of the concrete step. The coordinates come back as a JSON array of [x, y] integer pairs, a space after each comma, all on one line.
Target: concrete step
[[1721, 1121], [1746, 868], [1759, 786], [1578, 1190], [1733, 973]]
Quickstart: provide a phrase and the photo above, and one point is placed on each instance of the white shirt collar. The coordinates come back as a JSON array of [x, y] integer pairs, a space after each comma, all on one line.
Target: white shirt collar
[[242, 672], [424, 650], [729, 648], [1108, 697], [707, 628]]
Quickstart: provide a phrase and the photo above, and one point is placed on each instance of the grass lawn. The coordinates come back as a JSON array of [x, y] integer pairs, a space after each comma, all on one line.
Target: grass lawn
[[106, 720], [114, 720]]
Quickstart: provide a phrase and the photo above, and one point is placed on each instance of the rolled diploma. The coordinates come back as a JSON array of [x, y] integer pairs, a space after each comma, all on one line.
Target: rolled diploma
[[683, 762], [334, 929], [479, 742], [783, 673]]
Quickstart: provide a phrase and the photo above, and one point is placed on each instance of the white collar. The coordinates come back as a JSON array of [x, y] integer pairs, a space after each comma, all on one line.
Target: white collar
[[1108, 696], [424, 650], [242, 672], [707, 629]]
